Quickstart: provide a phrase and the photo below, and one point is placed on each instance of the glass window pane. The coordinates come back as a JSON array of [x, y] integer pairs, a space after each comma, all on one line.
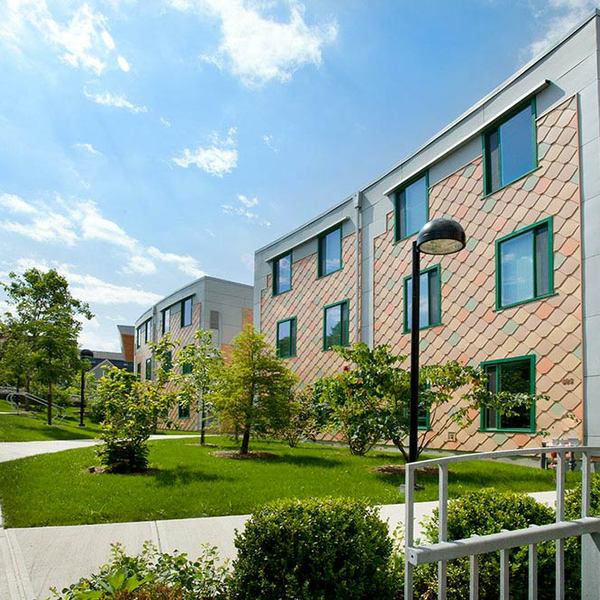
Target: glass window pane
[[516, 145], [283, 274], [516, 269], [331, 251], [333, 326], [284, 339], [183, 411], [413, 203], [542, 268], [435, 310], [166, 321], [515, 377], [493, 162], [429, 304], [424, 302], [186, 315]]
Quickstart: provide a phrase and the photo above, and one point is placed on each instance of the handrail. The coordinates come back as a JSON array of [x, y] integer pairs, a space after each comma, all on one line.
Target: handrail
[[588, 527], [11, 397]]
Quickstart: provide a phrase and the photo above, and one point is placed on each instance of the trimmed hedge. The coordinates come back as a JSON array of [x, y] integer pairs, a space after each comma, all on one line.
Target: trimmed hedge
[[312, 549]]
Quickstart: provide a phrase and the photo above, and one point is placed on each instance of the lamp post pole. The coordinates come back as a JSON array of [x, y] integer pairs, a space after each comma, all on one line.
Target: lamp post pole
[[414, 354]]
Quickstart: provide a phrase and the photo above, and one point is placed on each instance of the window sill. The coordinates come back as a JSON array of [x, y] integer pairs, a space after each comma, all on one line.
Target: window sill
[[485, 196], [330, 273], [273, 295], [407, 331], [528, 431], [529, 301]]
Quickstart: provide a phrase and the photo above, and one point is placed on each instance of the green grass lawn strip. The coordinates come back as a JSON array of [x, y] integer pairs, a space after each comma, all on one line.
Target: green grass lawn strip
[[187, 481]]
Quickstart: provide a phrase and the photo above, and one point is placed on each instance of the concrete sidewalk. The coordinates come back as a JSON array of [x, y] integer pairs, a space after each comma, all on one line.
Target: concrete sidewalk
[[16, 450], [34, 559]]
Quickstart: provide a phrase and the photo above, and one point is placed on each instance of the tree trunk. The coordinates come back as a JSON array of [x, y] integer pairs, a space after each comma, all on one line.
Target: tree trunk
[[202, 420], [245, 440], [49, 404]]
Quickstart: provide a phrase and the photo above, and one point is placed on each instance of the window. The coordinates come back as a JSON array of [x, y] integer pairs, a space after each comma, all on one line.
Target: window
[[214, 319], [148, 331], [168, 365], [166, 320], [510, 149], [148, 368], [138, 370], [183, 411], [430, 305], [330, 252], [515, 375], [186, 312], [138, 336], [412, 207], [335, 325], [186, 368], [524, 265], [282, 274], [286, 338]]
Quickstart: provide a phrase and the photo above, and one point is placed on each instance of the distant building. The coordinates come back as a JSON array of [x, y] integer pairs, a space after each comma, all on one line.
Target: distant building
[[127, 333], [217, 305], [103, 360], [520, 170]]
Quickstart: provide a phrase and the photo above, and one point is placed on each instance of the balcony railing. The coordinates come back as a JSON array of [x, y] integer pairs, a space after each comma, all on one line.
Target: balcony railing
[[587, 527]]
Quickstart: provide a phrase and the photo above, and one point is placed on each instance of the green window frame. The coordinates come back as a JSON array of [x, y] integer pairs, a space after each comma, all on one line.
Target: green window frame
[[186, 369], [490, 419], [327, 242], [342, 336], [286, 349], [148, 371], [279, 285], [433, 288], [166, 320], [542, 264], [187, 308], [498, 148], [183, 411], [147, 330], [406, 200]]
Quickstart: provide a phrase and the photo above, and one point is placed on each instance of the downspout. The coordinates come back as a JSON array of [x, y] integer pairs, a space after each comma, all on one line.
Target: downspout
[[358, 269]]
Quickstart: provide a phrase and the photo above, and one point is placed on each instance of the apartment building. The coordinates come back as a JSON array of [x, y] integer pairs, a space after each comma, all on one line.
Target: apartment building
[[217, 305], [520, 171]]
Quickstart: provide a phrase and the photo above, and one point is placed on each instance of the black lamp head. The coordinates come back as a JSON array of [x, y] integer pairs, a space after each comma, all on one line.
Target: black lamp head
[[441, 236], [85, 353]]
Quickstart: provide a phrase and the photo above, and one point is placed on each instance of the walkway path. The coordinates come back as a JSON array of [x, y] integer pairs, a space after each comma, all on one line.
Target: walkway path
[[14, 450], [36, 558]]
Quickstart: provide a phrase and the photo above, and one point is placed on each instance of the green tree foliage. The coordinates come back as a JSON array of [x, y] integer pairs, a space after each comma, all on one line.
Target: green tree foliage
[[314, 549], [254, 389], [41, 327], [198, 365], [304, 417], [369, 402], [131, 409]]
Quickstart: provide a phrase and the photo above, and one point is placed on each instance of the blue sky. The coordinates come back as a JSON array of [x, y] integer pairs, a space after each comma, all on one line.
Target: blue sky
[[143, 144]]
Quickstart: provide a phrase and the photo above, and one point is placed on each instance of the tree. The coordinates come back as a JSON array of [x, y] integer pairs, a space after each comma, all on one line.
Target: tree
[[199, 365], [254, 390], [45, 318], [370, 402]]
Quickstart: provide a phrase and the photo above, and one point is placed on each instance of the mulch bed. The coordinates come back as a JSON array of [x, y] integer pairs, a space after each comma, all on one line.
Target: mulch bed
[[400, 470], [250, 456]]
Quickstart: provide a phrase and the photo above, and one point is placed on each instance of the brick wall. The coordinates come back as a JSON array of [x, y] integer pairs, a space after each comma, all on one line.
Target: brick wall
[[472, 330]]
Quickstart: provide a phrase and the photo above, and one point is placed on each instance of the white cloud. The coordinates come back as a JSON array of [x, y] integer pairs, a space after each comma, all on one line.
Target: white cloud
[[165, 122], [186, 264], [217, 159], [564, 15], [123, 64], [108, 99], [83, 40], [243, 210], [248, 261], [83, 221], [16, 204], [256, 47], [87, 148], [270, 142]]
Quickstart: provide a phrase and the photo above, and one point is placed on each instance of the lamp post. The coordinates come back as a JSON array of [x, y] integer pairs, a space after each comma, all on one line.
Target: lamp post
[[439, 236], [84, 355]]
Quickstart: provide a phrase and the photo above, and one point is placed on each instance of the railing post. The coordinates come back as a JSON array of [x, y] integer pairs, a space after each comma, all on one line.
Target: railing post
[[533, 573], [473, 577], [409, 484], [443, 526], [560, 516], [504, 575], [590, 543]]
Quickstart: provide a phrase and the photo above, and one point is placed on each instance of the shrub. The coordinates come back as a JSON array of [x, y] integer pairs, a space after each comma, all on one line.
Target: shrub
[[153, 576], [314, 549], [482, 513]]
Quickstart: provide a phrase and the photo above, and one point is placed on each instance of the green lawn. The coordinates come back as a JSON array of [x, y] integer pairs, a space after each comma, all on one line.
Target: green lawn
[[6, 406], [187, 481]]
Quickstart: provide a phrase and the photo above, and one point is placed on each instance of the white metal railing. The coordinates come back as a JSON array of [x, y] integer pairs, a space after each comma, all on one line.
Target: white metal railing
[[17, 398], [587, 527]]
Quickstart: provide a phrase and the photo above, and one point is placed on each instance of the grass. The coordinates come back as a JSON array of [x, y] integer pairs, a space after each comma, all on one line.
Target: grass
[[186, 480], [6, 406], [33, 427]]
